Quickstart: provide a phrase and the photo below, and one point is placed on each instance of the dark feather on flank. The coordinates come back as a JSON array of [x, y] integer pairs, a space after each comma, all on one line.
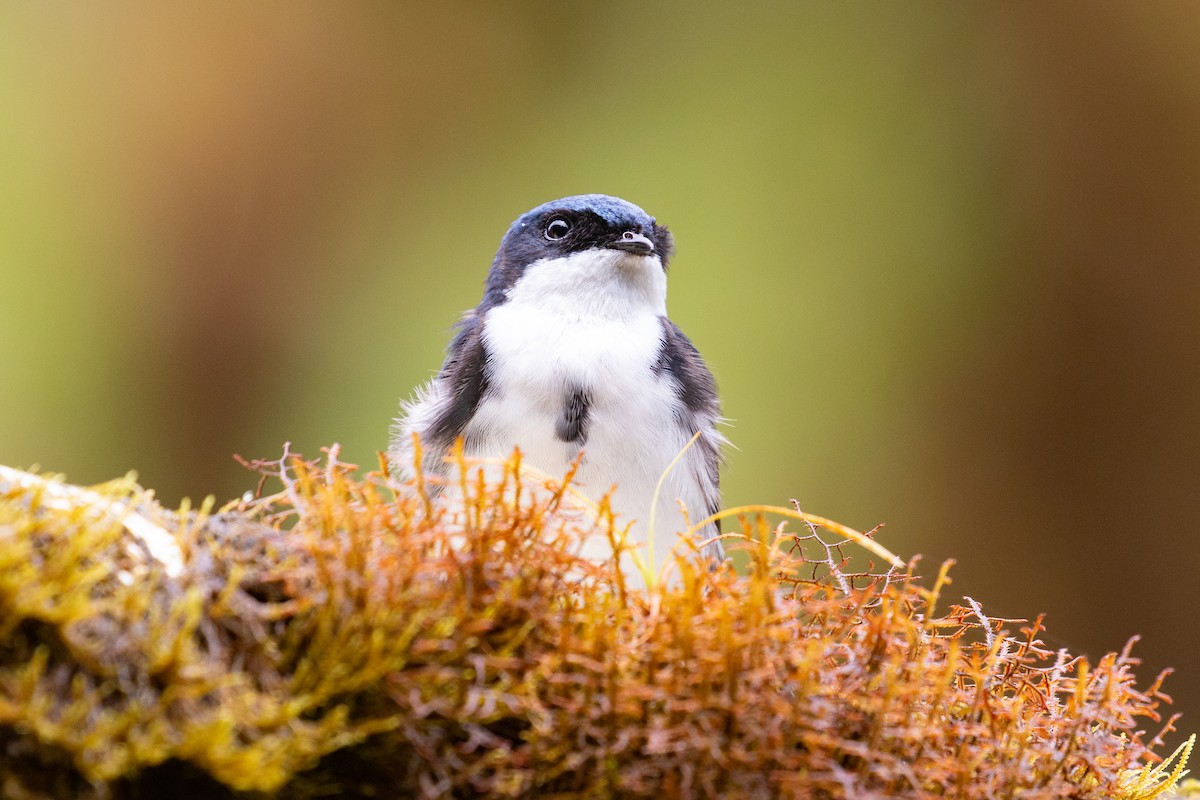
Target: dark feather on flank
[[701, 408], [681, 358], [465, 376]]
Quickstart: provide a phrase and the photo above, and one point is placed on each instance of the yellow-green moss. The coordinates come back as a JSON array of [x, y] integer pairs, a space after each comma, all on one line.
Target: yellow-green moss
[[344, 638]]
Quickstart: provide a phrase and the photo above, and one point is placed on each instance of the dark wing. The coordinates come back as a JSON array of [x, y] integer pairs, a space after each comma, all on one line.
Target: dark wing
[[701, 409], [441, 410], [463, 380]]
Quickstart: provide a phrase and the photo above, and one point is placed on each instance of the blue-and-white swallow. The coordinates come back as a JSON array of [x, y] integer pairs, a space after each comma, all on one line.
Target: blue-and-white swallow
[[571, 349]]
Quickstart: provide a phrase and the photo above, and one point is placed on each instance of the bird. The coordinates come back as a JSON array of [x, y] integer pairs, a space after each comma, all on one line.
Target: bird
[[570, 352]]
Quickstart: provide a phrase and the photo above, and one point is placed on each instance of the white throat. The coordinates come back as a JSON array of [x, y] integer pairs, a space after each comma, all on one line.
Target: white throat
[[600, 282]]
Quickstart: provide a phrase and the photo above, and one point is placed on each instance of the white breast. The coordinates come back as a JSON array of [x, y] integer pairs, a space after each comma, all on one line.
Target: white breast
[[591, 322]]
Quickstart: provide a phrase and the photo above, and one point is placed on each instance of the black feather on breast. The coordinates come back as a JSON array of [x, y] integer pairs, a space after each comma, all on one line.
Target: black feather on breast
[[571, 425]]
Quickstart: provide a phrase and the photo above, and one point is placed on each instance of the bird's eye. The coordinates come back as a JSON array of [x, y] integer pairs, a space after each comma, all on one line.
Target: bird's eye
[[557, 229]]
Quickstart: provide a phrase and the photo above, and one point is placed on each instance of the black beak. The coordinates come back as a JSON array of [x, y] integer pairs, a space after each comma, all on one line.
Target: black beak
[[633, 242]]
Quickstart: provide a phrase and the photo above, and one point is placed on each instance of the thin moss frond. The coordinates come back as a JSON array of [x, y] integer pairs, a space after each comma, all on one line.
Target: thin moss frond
[[1159, 779]]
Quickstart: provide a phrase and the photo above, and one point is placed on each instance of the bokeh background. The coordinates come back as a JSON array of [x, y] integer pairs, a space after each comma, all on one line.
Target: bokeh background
[[944, 259]]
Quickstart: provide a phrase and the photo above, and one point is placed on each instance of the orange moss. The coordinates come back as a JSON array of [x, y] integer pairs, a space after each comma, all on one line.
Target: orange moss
[[346, 636]]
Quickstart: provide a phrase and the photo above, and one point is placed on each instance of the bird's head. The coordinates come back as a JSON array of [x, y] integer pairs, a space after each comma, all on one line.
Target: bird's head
[[579, 246]]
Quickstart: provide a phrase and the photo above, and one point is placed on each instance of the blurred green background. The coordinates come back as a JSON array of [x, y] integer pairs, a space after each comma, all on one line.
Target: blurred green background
[[944, 259]]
